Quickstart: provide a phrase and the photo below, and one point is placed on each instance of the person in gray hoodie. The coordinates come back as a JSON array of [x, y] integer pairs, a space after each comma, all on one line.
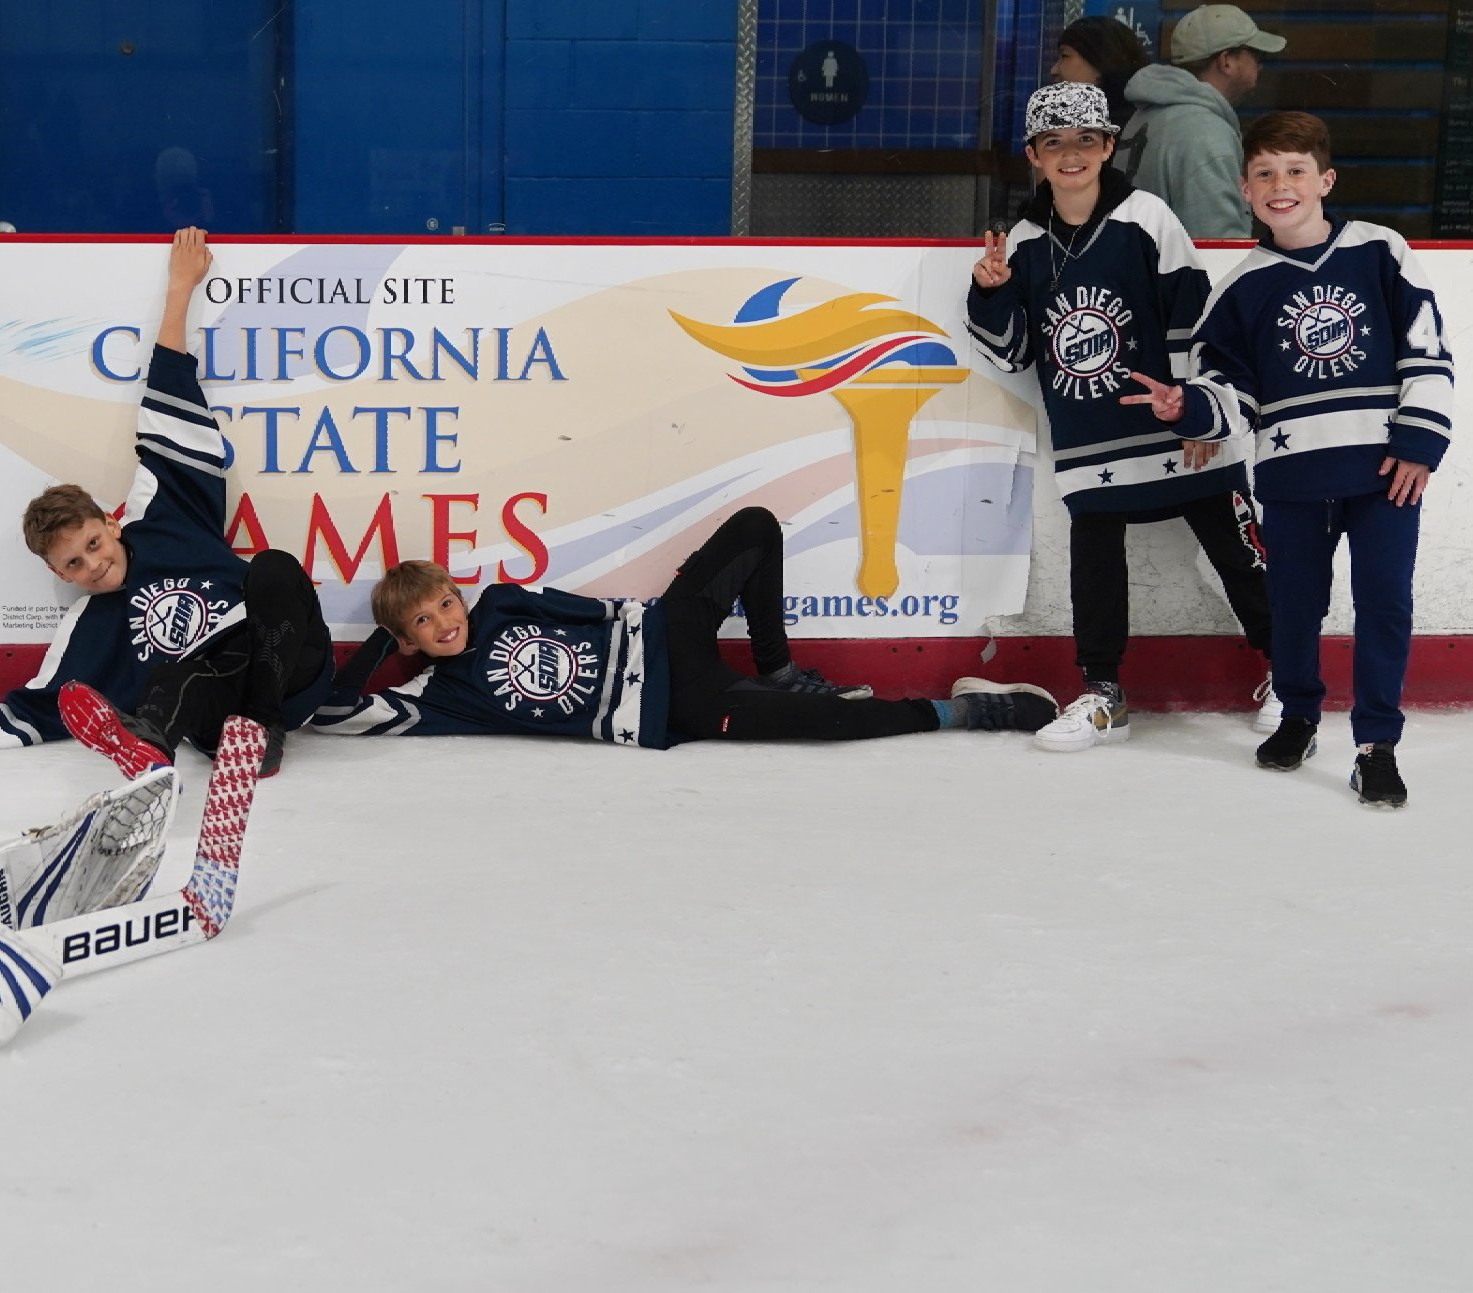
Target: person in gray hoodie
[[1184, 143]]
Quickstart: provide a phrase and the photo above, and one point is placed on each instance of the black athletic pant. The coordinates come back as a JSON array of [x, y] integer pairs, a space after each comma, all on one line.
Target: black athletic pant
[[280, 649], [1099, 580], [711, 700]]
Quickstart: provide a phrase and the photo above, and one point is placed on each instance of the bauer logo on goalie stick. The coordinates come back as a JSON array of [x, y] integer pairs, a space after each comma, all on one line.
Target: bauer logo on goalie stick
[[134, 932]]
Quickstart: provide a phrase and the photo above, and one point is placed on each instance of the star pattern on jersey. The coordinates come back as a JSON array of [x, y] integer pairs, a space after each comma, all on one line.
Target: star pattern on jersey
[[1169, 466], [562, 633], [626, 735], [1280, 440], [1132, 344], [1283, 345], [538, 712], [634, 630], [1365, 330], [632, 678], [1106, 476], [207, 585]]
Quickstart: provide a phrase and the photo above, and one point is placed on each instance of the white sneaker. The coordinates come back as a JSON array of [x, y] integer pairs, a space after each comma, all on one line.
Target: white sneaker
[[1271, 708], [1101, 714]]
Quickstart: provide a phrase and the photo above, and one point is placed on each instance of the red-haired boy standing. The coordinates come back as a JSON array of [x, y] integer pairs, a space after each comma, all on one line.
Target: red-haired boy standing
[[1326, 341]]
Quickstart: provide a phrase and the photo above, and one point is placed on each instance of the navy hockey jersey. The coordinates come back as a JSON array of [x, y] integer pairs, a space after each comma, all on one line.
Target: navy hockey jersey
[[549, 662], [1120, 295], [1334, 355], [184, 584]]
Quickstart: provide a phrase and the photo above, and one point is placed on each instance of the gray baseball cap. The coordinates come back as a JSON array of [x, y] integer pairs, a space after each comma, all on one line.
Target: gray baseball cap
[[1212, 28]]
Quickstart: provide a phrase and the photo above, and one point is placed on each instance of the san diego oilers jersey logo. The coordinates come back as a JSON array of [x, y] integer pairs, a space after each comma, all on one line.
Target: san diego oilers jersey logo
[[1321, 333], [548, 671], [1086, 332], [173, 616]]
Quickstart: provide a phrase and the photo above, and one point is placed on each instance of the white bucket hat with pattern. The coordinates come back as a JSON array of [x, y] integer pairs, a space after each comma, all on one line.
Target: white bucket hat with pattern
[[1067, 105]]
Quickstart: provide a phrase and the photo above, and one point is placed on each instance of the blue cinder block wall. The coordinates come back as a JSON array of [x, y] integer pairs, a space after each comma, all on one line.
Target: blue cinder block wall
[[599, 117], [618, 116]]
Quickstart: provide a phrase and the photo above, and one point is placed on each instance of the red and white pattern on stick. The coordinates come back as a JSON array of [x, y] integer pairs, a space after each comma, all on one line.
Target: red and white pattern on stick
[[210, 892]]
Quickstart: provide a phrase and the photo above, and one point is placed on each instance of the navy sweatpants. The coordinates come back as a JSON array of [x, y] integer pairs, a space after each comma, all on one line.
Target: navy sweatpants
[[1301, 539]]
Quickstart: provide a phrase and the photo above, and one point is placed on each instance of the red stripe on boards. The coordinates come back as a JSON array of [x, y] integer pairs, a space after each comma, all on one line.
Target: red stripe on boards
[[1160, 673]]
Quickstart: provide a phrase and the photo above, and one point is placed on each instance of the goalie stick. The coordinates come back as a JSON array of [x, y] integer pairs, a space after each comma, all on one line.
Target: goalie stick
[[34, 960]]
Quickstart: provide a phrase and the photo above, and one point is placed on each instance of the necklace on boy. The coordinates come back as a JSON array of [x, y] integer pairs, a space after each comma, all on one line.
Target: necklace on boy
[[1054, 266]]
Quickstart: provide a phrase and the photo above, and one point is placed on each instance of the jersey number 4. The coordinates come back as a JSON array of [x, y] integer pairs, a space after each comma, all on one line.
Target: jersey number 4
[[1424, 335]]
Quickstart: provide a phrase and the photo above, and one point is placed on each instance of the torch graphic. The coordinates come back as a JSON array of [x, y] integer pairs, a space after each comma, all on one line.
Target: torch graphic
[[881, 364]]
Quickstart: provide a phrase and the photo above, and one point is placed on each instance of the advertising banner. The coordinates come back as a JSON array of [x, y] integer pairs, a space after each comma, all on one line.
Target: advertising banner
[[575, 415]]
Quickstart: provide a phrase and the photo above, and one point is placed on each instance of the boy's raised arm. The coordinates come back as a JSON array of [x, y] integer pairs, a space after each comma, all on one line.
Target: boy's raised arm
[[189, 262], [182, 455]]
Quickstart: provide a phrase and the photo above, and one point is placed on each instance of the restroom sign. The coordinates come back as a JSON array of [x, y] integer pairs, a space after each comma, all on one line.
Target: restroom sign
[[828, 82]]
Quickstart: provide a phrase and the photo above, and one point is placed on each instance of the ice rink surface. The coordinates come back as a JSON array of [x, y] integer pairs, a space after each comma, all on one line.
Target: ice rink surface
[[941, 1013]]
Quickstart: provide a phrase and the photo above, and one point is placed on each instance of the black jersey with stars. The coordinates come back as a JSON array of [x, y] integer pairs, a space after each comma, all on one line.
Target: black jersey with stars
[[1334, 355], [551, 662], [184, 586], [1090, 305]]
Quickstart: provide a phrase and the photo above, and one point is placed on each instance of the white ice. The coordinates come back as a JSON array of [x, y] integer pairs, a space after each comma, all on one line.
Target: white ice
[[937, 1013]]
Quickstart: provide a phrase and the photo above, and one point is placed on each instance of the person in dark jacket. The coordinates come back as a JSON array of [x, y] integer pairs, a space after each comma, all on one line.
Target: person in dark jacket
[[1104, 52]]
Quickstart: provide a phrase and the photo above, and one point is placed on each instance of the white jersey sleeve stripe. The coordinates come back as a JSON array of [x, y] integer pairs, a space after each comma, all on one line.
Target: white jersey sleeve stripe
[[145, 490], [10, 723]]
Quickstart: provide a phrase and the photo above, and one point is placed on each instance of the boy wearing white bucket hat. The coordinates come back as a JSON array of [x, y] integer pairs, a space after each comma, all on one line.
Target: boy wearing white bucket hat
[[1097, 281]]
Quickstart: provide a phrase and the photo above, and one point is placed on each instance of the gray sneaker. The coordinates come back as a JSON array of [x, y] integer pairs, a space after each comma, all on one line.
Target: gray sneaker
[[809, 682], [1005, 706]]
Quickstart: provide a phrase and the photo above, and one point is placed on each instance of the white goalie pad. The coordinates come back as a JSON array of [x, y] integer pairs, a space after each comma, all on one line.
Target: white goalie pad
[[105, 850], [26, 976], [103, 854]]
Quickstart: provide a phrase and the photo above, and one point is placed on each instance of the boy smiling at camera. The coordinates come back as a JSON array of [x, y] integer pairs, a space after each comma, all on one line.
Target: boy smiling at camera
[[555, 663], [1326, 341], [1099, 280], [173, 632]]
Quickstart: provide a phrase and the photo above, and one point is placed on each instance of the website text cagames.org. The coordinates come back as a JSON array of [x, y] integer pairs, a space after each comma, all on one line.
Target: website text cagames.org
[[942, 607]]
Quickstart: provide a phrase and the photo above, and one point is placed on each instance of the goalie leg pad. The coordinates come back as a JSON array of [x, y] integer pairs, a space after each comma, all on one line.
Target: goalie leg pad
[[25, 977], [102, 854]]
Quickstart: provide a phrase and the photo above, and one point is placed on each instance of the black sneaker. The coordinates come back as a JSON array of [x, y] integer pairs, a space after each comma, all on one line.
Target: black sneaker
[[809, 682], [1375, 777], [1287, 748], [1005, 706]]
